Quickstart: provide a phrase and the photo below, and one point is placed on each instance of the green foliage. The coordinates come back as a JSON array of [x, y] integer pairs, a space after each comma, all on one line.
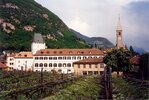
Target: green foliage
[[123, 90], [31, 13], [118, 59], [144, 65], [85, 89]]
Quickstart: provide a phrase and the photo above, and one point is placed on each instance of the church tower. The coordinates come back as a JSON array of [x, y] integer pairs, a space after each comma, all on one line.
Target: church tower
[[119, 42], [38, 43]]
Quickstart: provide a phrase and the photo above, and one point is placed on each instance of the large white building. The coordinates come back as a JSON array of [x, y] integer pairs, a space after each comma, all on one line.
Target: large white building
[[60, 60]]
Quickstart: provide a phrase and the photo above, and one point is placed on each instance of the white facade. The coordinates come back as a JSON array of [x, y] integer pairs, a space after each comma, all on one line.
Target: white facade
[[24, 64], [10, 61], [61, 64], [37, 46]]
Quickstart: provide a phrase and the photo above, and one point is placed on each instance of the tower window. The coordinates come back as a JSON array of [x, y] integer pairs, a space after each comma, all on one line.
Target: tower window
[[119, 33]]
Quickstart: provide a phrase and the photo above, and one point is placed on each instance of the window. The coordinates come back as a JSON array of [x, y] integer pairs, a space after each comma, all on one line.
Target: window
[[74, 58], [59, 58], [82, 52], [95, 72], [48, 52], [96, 66], [36, 58], [78, 65], [90, 73], [55, 65], [19, 61], [50, 64], [54, 58], [36, 64], [64, 65], [70, 52], [78, 57], [84, 72], [84, 57], [84, 66], [64, 58], [69, 65], [68, 70], [69, 58], [41, 65], [45, 58], [50, 58], [41, 58], [102, 65], [11, 59], [90, 66], [101, 72], [59, 65], [45, 64]]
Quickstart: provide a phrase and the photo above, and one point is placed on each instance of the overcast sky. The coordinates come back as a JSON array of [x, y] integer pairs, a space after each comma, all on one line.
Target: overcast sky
[[98, 18]]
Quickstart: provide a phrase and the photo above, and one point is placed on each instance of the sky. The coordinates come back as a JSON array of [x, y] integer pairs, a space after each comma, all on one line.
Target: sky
[[99, 18]]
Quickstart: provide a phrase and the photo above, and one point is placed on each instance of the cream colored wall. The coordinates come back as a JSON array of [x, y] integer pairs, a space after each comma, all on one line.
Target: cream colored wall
[[79, 71]]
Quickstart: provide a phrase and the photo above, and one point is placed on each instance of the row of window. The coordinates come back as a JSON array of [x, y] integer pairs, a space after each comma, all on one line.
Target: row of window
[[52, 65], [60, 70], [92, 72], [90, 66], [62, 58]]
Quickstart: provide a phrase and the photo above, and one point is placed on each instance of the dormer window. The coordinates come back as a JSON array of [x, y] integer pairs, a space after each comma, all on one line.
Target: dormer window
[[60, 52], [41, 52], [82, 52], [48, 52], [70, 52], [25, 55], [90, 52], [78, 52], [54, 52], [19, 54]]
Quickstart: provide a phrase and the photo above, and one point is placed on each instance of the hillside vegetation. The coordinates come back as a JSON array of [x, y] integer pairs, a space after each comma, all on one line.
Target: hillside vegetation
[[20, 19]]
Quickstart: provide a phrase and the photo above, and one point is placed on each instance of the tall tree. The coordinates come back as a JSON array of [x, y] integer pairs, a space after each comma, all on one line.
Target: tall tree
[[118, 59]]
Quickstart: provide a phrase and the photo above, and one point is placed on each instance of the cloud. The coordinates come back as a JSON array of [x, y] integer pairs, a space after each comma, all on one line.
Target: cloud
[[99, 18], [137, 23]]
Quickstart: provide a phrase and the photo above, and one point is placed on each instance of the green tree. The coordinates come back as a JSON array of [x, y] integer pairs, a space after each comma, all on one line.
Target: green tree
[[118, 59], [144, 66]]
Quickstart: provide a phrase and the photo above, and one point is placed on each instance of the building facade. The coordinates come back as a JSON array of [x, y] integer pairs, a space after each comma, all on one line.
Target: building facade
[[61, 60], [89, 66]]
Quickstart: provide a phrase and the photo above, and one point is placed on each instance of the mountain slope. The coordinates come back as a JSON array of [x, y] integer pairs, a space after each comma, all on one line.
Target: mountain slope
[[98, 42], [20, 19]]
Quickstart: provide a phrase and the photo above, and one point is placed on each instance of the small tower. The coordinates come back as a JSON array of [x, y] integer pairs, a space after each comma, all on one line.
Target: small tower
[[38, 43], [119, 42]]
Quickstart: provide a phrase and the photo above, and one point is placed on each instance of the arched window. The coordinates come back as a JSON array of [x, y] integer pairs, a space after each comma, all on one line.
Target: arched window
[[36, 64], [69, 65], [41, 65], [59, 65], [45, 64], [50, 64], [64, 65], [45, 58], [41, 58], [55, 65], [78, 57]]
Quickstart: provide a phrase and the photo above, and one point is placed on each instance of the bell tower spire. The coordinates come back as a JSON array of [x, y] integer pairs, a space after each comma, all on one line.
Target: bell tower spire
[[119, 42]]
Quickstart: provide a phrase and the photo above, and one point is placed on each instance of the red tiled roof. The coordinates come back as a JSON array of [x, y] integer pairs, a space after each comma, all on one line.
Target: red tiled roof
[[89, 61], [135, 60], [24, 55], [49, 52], [3, 65]]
